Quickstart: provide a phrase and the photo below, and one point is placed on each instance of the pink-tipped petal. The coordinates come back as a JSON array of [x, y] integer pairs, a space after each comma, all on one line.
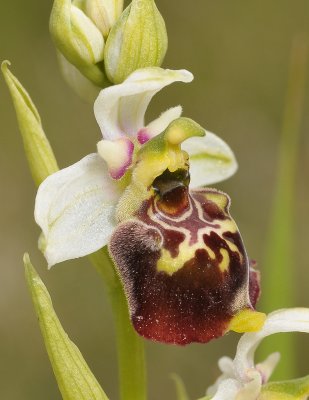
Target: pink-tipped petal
[[118, 154], [159, 125], [143, 136]]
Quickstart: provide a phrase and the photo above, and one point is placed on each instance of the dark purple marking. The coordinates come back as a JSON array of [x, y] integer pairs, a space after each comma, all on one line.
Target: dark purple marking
[[172, 241], [254, 284], [190, 306], [211, 210]]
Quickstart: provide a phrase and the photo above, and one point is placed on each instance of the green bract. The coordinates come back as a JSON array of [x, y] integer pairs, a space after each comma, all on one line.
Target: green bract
[[75, 380], [40, 156], [137, 40]]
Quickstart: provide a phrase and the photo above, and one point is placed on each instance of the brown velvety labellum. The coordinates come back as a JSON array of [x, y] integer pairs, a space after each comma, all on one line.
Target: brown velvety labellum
[[184, 269]]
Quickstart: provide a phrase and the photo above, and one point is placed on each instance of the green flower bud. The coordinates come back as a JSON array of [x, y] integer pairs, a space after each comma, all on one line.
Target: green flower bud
[[137, 40], [38, 151], [79, 40], [104, 13]]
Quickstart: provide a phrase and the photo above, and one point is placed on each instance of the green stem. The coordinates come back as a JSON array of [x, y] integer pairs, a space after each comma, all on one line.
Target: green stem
[[279, 269], [130, 347]]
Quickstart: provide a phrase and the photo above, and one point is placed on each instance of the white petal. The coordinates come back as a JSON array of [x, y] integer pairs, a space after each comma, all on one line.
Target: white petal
[[160, 124], [289, 320], [120, 109], [211, 160], [118, 155], [75, 209]]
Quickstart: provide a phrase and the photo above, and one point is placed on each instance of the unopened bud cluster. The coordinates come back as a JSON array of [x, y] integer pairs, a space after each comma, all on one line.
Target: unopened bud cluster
[[100, 44]]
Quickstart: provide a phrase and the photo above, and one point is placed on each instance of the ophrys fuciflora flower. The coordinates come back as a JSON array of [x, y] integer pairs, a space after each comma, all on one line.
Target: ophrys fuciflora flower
[[178, 252]]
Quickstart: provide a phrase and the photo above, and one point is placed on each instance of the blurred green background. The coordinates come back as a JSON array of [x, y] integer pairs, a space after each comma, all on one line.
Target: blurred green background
[[239, 53]]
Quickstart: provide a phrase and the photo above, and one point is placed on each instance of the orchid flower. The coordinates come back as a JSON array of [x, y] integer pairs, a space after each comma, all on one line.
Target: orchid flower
[[178, 252], [241, 378]]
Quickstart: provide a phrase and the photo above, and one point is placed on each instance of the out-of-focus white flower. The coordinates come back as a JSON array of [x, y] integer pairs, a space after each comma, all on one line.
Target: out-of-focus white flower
[[241, 378]]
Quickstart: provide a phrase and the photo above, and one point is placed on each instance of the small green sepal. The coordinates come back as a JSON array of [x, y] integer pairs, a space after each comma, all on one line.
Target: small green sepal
[[74, 378], [137, 40], [39, 153]]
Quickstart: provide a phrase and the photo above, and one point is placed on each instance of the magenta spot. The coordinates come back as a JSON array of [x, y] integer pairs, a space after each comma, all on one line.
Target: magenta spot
[[119, 172], [143, 136]]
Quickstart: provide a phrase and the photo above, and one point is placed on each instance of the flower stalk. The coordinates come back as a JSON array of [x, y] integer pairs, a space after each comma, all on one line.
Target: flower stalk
[[130, 347], [279, 254]]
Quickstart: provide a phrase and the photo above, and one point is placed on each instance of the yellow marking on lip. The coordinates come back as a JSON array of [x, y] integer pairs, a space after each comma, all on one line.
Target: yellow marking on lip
[[218, 198], [247, 320], [170, 265], [224, 264]]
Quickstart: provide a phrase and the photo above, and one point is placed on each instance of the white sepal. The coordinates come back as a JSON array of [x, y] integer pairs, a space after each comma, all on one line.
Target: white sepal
[[75, 209], [211, 160], [120, 109]]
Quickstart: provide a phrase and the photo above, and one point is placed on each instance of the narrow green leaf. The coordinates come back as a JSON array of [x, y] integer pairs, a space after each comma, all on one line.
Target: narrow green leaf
[[297, 389], [180, 388], [39, 153], [279, 270], [75, 380]]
